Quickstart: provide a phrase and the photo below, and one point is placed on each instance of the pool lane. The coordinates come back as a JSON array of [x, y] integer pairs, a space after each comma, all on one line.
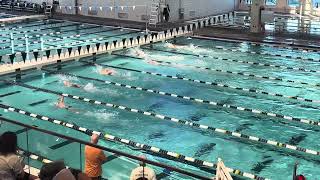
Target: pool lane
[[152, 123]]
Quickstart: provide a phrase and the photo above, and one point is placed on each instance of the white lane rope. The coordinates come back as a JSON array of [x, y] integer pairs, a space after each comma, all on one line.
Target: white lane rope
[[179, 121], [109, 137]]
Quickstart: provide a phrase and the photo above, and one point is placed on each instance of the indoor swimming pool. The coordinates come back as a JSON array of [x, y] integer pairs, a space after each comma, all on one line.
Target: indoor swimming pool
[[55, 34], [190, 96]]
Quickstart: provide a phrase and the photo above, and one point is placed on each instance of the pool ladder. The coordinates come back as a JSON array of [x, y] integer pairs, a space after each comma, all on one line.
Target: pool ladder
[[48, 10], [155, 11]]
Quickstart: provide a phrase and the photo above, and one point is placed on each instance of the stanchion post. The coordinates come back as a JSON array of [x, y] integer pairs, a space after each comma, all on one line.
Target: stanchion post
[[12, 43]]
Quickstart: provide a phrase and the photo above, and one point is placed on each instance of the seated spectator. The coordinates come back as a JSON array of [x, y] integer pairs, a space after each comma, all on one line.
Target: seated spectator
[[94, 158], [58, 171], [11, 165], [142, 172]]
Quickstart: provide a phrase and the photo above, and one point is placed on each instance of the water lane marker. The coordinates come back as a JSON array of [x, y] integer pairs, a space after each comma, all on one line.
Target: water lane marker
[[227, 71], [240, 61], [182, 122], [247, 90], [179, 157], [198, 100]]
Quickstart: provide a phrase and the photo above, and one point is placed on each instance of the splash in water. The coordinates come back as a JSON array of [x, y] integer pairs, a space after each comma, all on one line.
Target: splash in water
[[91, 88], [137, 52], [101, 115], [66, 78]]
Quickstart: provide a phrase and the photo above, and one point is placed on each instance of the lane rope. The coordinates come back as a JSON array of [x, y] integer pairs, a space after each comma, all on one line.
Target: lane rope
[[198, 100], [61, 38], [182, 122], [266, 53], [247, 90], [173, 155], [290, 46], [240, 61], [45, 34], [64, 24], [227, 71]]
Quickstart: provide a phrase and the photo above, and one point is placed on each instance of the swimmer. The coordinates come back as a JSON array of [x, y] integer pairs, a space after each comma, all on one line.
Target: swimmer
[[173, 46], [69, 84], [105, 71], [61, 105], [139, 53], [152, 62]]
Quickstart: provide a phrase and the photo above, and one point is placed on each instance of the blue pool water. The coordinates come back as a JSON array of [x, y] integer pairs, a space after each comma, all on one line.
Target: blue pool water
[[57, 34], [257, 158]]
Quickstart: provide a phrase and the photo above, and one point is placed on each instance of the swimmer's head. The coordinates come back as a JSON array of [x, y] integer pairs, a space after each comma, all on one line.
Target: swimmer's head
[[94, 138]]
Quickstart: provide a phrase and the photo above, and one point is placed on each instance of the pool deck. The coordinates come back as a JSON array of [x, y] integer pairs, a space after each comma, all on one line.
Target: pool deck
[[117, 22], [279, 39], [22, 18]]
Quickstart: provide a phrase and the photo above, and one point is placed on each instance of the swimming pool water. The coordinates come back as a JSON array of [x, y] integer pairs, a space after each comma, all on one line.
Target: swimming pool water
[[264, 160], [57, 34]]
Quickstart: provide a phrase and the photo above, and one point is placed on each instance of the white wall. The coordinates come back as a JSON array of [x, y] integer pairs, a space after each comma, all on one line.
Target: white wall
[[200, 8], [192, 8]]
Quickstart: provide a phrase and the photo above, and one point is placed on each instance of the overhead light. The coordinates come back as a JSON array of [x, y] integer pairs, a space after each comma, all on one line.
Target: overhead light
[[90, 8], [80, 8], [133, 7], [111, 8], [101, 8], [122, 8]]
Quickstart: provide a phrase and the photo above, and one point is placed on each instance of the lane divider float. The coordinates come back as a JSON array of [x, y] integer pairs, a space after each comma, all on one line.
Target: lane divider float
[[64, 24], [247, 90], [263, 44], [228, 72], [197, 100], [241, 61], [267, 53], [179, 121], [45, 34], [61, 38], [172, 155]]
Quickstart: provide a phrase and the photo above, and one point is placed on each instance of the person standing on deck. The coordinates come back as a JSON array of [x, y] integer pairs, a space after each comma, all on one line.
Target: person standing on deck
[[94, 158], [166, 13]]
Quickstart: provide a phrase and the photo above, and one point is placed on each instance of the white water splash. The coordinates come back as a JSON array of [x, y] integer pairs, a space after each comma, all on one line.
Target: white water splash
[[66, 78], [101, 115], [91, 88]]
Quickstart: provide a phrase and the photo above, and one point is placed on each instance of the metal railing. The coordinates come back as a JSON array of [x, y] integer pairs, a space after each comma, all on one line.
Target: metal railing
[[29, 144]]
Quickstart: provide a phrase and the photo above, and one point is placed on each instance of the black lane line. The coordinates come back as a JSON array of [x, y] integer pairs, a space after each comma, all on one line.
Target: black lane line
[[80, 42], [111, 157], [9, 94], [39, 23], [39, 102], [21, 131], [296, 84], [51, 82], [60, 145], [81, 34], [37, 30], [223, 39]]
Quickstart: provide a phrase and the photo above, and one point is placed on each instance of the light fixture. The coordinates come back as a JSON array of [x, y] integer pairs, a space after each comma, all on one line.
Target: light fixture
[[133, 7]]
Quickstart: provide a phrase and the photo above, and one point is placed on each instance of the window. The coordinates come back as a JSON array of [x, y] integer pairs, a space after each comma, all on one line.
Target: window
[[316, 3], [248, 1], [272, 2], [293, 3]]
